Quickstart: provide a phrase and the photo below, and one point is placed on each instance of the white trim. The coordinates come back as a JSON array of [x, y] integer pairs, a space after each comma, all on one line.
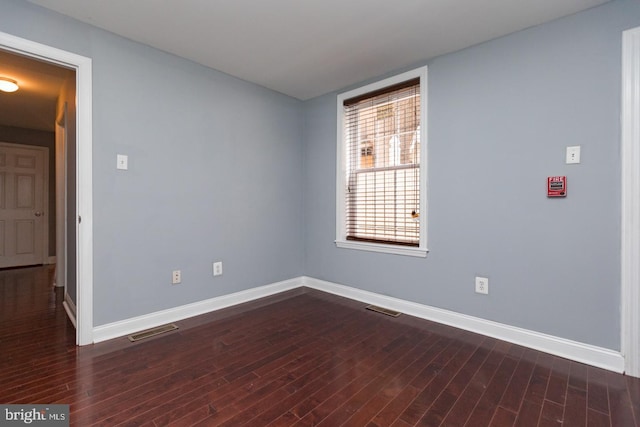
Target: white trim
[[136, 324], [84, 168], [630, 250], [45, 208], [70, 308], [61, 196], [341, 241], [51, 260], [84, 201], [573, 350], [580, 352], [377, 247]]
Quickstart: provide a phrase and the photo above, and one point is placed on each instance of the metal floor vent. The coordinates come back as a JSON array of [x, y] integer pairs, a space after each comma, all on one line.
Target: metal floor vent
[[382, 310], [152, 332]]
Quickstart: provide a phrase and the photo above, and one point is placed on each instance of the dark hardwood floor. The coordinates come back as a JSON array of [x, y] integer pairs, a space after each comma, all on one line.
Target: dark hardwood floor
[[300, 358]]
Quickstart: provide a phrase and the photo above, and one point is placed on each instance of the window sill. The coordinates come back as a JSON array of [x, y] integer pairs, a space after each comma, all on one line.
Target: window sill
[[388, 249]]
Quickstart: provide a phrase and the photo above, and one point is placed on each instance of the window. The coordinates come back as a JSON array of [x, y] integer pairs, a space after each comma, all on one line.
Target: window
[[381, 185]]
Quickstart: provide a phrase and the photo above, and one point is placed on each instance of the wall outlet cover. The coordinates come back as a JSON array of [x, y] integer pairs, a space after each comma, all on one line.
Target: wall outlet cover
[[217, 268], [482, 285], [176, 277]]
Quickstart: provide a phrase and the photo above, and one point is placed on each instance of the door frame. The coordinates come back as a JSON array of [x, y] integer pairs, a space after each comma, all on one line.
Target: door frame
[[61, 203], [630, 195], [44, 247], [84, 170]]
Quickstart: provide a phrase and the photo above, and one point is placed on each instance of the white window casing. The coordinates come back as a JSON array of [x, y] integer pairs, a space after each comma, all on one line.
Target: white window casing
[[380, 164]]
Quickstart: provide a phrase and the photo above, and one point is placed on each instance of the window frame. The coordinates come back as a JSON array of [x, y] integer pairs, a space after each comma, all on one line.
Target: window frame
[[342, 172]]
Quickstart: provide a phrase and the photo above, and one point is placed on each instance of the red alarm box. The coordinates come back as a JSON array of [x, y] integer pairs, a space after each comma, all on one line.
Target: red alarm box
[[557, 186]]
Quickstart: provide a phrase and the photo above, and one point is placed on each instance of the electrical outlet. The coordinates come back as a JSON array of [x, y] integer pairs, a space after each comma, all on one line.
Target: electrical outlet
[[482, 285], [217, 268], [176, 277]]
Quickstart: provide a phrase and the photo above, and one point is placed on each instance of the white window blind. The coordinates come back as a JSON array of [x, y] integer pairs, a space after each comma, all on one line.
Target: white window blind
[[382, 142]]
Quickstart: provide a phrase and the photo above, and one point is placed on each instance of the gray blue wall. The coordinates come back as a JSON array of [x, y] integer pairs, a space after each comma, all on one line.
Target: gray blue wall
[[221, 169], [215, 167], [500, 116]]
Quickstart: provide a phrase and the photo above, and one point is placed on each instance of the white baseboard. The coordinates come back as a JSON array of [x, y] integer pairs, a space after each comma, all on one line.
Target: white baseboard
[[51, 260], [140, 323], [70, 308], [573, 350]]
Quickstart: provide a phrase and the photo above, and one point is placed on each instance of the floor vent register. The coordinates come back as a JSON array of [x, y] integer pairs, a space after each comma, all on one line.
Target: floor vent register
[[383, 310], [152, 332]]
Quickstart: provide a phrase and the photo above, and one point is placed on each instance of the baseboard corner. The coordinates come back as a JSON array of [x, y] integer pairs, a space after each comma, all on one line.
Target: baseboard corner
[[580, 352]]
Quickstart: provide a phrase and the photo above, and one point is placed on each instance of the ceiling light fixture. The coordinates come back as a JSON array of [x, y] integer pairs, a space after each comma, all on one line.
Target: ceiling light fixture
[[8, 85]]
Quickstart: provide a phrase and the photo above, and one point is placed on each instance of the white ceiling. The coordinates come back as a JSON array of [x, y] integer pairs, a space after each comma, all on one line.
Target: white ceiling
[[306, 48]]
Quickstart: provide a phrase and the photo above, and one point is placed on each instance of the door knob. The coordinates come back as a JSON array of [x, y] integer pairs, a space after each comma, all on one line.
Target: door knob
[[39, 213]]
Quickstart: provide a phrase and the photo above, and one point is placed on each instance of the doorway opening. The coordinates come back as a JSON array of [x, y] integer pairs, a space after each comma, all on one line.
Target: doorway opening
[[71, 126]]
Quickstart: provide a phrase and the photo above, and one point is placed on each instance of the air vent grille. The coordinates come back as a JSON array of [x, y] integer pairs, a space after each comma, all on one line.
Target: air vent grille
[[152, 332], [383, 310]]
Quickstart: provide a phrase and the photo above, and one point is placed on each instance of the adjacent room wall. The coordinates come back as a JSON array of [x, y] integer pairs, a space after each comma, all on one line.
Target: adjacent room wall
[[215, 167], [500, 116]]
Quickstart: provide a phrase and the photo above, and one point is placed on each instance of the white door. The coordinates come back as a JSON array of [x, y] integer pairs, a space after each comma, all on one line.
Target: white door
[[22, 195]]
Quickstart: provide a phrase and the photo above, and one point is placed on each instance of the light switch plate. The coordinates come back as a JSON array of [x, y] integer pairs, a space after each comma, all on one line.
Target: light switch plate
[[573, 155], [122, 162]]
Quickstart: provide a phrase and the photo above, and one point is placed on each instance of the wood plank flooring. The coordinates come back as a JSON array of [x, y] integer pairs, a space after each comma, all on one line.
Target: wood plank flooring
[[300, 358]]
